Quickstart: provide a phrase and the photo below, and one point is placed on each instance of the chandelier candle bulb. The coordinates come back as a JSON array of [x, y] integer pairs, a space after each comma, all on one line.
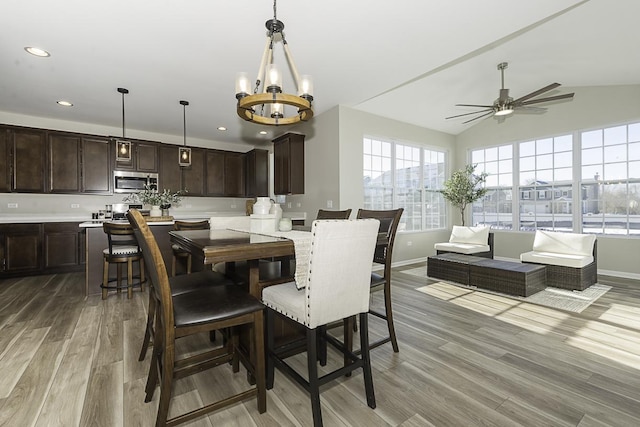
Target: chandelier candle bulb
[[306, 87], [243, 85], [273, 78]]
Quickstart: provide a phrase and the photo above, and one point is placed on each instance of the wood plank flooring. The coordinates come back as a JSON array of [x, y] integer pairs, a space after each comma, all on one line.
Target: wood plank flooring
[[466, 359]]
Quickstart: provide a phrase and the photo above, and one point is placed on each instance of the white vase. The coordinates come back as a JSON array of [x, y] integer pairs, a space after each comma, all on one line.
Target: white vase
[[262, 206], [155, 211]]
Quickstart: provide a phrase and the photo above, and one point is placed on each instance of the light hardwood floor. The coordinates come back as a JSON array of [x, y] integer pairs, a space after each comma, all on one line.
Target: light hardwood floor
[[465, 359]]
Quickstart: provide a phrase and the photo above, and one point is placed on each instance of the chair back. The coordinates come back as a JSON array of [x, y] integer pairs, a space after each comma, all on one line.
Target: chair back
[[155, 269], [191, 225], [121, 238], [339, 271], [389, 221], [324, 214]]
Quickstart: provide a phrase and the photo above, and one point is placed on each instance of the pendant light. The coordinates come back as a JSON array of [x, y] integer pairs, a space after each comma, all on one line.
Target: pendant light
[[123, 147], [184, 153], [265, 103]]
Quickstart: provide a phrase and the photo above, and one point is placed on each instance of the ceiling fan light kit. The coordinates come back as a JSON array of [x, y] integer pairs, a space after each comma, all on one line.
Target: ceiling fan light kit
[[506, 105], [266, 106]]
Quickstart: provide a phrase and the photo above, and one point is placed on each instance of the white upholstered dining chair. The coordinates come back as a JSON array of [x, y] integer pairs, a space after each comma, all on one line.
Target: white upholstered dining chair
[[336, 287]]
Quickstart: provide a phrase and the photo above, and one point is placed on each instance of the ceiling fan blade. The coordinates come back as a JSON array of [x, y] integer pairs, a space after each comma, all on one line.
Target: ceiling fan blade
[[536, 93], [479, 117], [466, 114], [550, 98], [529, 110], [474, 105]]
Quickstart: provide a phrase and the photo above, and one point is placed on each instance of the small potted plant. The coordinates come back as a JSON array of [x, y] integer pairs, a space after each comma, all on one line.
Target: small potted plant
[[464, 187], [160, 202]]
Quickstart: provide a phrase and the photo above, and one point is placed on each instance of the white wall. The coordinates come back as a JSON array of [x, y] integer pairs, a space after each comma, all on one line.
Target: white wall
[[592, 107]]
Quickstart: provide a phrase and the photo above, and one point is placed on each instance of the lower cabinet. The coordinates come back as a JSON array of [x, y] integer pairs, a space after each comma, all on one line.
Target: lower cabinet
[[30, 249], [21, 249]]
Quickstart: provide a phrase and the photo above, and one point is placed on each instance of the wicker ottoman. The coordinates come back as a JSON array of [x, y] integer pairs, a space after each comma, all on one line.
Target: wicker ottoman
[[451, 266], [508, 277]]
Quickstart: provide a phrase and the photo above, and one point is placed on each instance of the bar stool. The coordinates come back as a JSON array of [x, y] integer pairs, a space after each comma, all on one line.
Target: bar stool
[[181, 253], [123, 249]]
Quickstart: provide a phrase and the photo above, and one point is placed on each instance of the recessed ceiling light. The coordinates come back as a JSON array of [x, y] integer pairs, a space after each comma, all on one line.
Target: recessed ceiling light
[[65, 103], [222, 128], [37, 51], [263, 132]]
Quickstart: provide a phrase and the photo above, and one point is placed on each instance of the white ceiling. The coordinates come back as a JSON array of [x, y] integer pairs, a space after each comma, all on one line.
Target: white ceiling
[[410, 60]]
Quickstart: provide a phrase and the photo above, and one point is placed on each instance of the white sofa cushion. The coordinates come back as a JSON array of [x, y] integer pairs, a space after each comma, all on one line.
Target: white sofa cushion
[[564, 243], [469, 235], [557, 258], [462, 248]]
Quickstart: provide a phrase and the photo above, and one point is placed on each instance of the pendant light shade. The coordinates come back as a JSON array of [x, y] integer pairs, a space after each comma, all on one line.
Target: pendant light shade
[[184, 152], [123, 147]]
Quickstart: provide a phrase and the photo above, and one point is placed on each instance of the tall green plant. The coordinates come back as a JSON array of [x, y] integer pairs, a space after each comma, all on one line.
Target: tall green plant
[[464, 187]]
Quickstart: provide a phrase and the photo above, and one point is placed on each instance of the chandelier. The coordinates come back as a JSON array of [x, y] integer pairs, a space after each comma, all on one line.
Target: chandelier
[[265, 103]]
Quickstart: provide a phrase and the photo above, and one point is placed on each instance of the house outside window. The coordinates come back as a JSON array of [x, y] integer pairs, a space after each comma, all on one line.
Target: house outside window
[[586, 181], [404, 175], [495, 209]]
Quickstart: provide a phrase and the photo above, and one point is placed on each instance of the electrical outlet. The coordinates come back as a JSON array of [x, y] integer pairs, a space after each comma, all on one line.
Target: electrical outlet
[[409, 243], [329, 203], [188, 206], [288, 205], [233, 206], [75, 205], [298, 205], [12, 205]]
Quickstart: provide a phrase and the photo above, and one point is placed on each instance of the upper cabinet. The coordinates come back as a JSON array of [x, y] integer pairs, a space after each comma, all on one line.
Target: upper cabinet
[[234, 174], [257, 173], [288, 168], [169, 171], [193, 176], [78, 164], [5, 172], [26, 161], [143, 157]]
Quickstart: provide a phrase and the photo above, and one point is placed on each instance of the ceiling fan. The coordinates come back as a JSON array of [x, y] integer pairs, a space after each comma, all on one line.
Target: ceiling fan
[[506, 105]]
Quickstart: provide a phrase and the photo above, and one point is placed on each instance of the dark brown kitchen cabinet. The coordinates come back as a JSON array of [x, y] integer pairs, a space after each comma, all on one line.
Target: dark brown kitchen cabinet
[[62, 245], [257, 173], [144, 157], [28, 151], [20, 249], [215, 173], [64, 163], [97, 177], [288, 168], [193, 177], [5, 162], [169, 171], [234, 164]]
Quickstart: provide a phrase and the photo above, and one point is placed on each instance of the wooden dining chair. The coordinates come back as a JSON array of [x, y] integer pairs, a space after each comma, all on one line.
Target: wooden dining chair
[[122, 250], [181, 253], [336, 288], [326, 214], [204, 310], [389, 221]]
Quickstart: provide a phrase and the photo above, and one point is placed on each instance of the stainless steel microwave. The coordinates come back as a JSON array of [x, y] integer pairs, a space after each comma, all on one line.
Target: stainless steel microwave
[[133, 182]]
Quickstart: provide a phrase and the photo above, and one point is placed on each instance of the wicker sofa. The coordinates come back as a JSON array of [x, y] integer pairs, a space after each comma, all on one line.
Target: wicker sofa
[[476, 241], [571, 259]]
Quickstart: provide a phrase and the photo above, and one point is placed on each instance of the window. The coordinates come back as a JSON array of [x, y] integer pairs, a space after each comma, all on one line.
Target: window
[[587, 181], [611, 180], [496, 207], [404, 176]]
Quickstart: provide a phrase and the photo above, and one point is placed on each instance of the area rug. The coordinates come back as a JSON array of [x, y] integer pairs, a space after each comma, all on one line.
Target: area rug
[[561, 299]]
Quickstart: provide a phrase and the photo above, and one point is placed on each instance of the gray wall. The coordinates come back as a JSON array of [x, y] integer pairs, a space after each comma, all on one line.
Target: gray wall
[[592, 107]]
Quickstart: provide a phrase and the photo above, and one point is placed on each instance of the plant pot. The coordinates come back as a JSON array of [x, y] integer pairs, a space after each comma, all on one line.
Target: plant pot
[[155, 211]]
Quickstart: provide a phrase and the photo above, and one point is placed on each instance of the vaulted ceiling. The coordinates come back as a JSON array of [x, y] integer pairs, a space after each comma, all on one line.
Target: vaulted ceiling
[[411, 60]]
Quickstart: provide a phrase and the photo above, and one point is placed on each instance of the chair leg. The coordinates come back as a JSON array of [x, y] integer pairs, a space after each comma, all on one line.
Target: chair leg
[[314, 385], [270, 349], [129, 278], [156, 354], [119, 277], [322, 345], [173, 267], [389, 314], [189, 264], [142, 277], [348, 339], [364, 345], [166, 380], [259, 367], [105, 278], [151, 315]]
